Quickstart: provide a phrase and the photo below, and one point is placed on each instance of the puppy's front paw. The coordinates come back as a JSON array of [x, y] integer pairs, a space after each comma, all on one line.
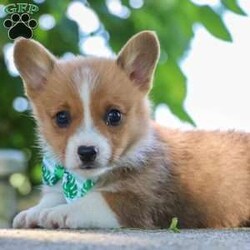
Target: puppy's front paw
[[59, 217], [27, 218]]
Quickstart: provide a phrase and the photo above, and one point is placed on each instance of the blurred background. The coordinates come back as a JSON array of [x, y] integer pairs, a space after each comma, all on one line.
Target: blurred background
[[202, 79]]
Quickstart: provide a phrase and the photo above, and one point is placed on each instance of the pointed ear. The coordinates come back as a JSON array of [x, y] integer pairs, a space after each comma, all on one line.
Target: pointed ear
[[34, 62], [139, 57]]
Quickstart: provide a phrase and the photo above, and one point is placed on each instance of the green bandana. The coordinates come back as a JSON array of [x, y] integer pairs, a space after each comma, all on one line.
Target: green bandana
[[73, 186]]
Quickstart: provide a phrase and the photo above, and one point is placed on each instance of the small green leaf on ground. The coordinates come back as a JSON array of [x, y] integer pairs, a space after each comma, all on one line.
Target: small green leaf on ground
[[173, 226]]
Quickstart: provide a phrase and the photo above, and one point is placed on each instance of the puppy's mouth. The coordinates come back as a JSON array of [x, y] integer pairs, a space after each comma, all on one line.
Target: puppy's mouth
[[88, 167], [90, 170]]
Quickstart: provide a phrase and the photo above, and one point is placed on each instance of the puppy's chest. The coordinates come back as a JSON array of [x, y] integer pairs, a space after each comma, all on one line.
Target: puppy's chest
[[98, 212]]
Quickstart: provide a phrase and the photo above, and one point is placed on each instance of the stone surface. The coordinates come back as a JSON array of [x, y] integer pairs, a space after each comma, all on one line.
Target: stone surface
[[238, 239]]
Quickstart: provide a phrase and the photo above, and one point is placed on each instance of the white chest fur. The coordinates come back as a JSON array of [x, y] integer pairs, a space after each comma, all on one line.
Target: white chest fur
[[96, 213]]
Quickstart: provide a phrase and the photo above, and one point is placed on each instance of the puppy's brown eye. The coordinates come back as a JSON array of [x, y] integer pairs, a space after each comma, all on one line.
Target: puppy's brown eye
[[113, 117], [63, 119]]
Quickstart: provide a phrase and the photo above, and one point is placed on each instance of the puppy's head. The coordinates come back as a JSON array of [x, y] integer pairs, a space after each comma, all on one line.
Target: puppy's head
[[91, 112]]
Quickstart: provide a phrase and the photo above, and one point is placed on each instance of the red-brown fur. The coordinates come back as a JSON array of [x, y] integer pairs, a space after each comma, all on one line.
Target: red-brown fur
[[200, 177], [203, 179]]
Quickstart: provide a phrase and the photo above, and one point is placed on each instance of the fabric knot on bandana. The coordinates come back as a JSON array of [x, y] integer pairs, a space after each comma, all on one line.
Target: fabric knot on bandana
[[73, 186]]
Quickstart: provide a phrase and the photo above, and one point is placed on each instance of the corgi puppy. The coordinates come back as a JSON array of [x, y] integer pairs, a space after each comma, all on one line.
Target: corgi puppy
[[121, 168]]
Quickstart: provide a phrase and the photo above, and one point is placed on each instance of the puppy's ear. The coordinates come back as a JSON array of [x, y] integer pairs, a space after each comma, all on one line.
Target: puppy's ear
[[34, 62], [138, 58]]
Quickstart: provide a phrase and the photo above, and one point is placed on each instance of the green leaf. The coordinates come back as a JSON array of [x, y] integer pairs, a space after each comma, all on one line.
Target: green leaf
[[48, 178], [170, 89], [46, 175], [173, 226], [213, 23], [87, 185], [233, 6], [69, 186], [59, 171]]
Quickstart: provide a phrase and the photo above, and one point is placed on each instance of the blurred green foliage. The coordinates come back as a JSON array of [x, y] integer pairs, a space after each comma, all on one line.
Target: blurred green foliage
[[173, 20]]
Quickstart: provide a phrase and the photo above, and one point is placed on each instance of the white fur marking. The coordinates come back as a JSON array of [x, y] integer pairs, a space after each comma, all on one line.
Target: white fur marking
[[92, 211], [97, 212], [85, 95], [87, 134]]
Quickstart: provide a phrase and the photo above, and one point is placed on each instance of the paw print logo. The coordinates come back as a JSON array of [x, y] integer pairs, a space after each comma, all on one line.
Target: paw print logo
[[20, 26]]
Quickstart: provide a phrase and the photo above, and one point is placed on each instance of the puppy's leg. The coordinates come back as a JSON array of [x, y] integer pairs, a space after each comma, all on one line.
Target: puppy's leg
[[91, 211], [29, 218]]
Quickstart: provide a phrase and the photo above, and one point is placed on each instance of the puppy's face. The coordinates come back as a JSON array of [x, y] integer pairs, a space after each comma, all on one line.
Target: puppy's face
[[90, 112]]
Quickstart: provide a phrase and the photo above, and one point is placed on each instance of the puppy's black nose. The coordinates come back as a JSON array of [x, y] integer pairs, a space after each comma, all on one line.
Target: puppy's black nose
[[87, 153]]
